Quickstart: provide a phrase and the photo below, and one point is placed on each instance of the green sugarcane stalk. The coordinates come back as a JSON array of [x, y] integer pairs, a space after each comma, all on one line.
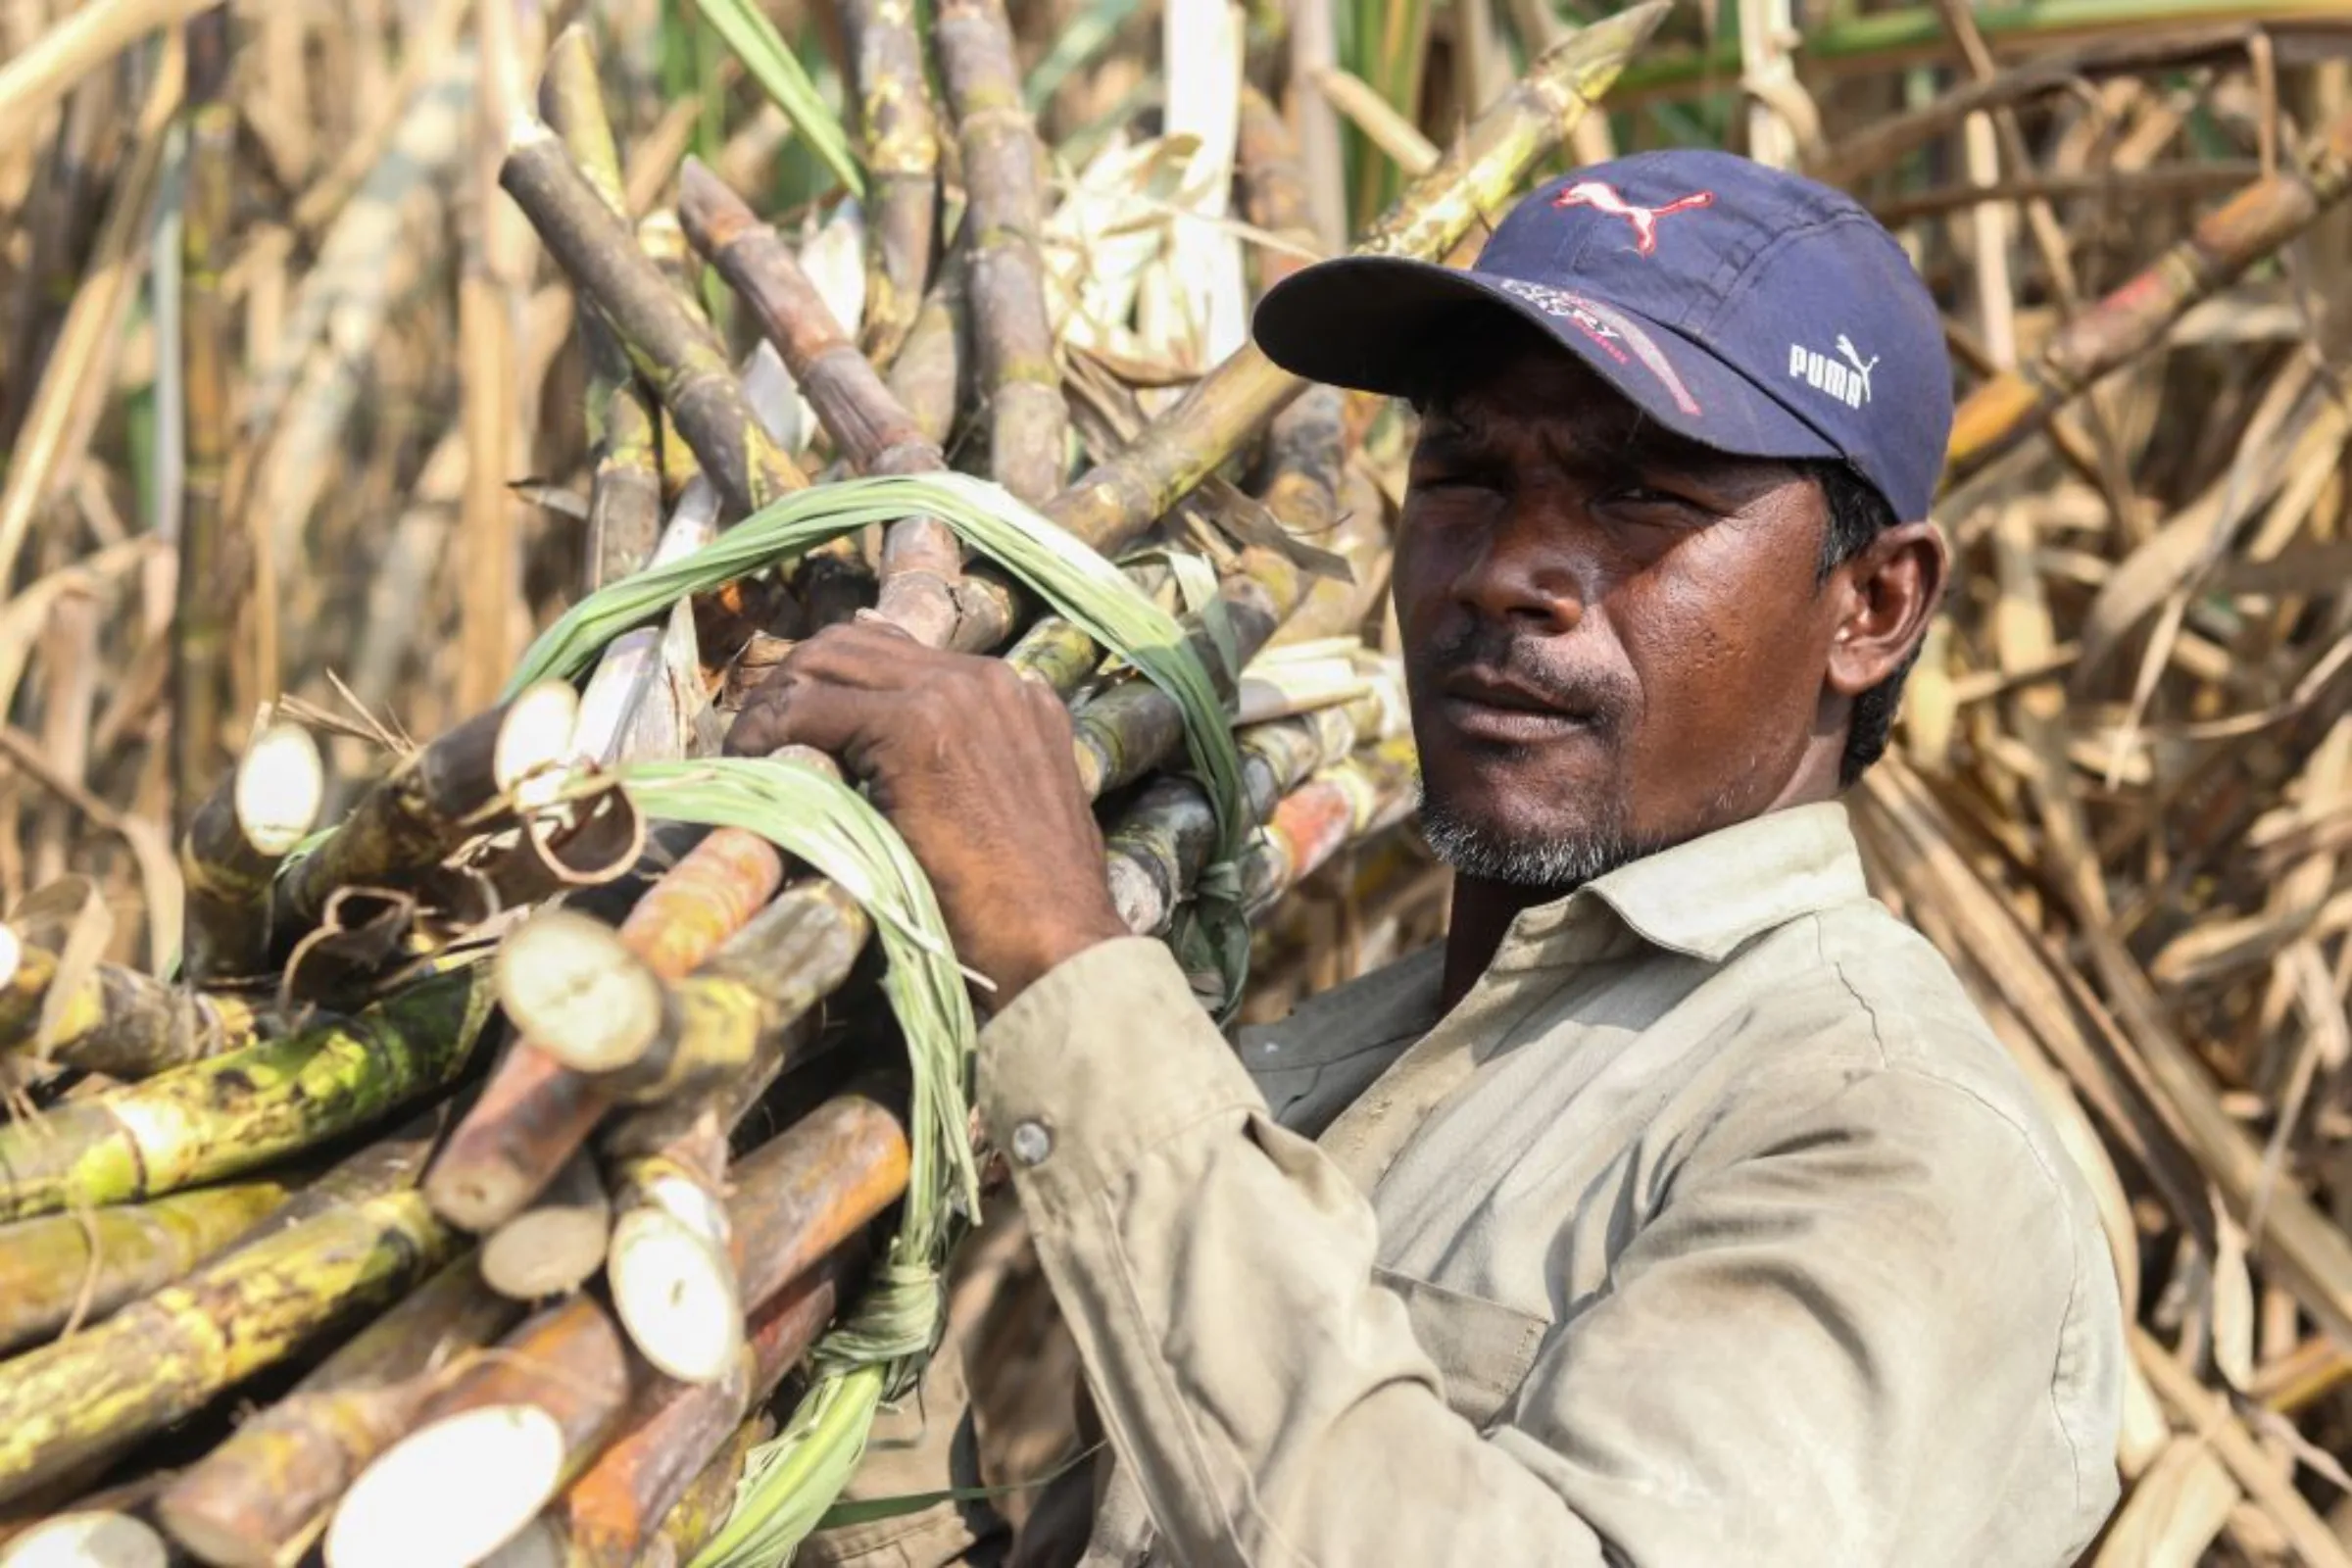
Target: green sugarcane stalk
[[80, 1400], [60, 1266], [674, 351], [1003, 176], [899, 144], [240, 1110], [258, 1498], [624, 501], [2133, 318]]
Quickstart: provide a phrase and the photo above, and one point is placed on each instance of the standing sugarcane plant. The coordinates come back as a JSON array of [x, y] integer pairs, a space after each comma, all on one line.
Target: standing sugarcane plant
[[200, 640]]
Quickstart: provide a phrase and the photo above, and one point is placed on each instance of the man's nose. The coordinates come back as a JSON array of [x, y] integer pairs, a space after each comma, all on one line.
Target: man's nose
[[1530, 571]]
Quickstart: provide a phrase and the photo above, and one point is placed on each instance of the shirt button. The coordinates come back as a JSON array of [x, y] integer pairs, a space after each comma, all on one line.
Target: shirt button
[[1032, 1143]]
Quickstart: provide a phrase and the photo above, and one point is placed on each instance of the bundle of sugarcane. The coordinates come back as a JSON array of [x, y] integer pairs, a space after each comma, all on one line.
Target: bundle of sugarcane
[[577, 1124]]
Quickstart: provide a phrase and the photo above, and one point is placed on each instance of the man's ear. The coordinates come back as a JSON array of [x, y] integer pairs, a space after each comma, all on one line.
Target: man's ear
[[1887, 592]]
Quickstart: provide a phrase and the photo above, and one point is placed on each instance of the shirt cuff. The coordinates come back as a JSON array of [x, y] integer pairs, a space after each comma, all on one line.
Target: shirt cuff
[[1104, 1057]]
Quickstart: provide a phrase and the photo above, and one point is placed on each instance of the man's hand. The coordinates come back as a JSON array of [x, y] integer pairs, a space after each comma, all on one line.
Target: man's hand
[[974, 766]]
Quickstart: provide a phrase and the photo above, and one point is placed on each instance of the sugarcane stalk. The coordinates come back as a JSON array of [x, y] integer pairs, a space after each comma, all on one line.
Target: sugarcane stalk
[[1156, 851], [555, 1243], [1132, 728], [613, 1512], [201, 605], [1374, 789], [684, 1279], [232, 849], [426, 806], [664, 242], [259, 1498], [927, 378], [672, 1264], [233, 1112], [2004, 411], [677, 354], [535, 1111], [161, 1358], [63, 1268], [900, 136], [524, 1416], [1004, 180], [118, 1021], [1114, 502], [923, 588], [572, 984], [697, 1516], [812, 1187], [624, 499]]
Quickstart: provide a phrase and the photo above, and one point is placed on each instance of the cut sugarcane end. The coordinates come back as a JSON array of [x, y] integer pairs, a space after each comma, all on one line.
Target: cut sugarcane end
[[281, 784], [534, 741], [88, 1541], [675, 1295], [546, 1249], [577, 993], [450, 1494], [12, 954], [540, 1546]]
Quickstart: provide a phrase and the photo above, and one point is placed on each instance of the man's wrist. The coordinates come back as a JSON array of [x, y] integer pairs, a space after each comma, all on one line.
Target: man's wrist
[[1018, 968]]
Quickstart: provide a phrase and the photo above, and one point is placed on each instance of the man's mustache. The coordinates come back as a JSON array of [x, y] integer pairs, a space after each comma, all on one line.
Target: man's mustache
[[1529, 662]]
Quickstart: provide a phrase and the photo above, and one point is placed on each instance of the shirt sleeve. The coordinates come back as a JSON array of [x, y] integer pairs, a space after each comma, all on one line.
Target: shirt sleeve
[[1807, 1350]]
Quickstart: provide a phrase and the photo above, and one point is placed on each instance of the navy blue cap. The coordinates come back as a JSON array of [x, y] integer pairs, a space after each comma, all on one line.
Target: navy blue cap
[[1753, 311]]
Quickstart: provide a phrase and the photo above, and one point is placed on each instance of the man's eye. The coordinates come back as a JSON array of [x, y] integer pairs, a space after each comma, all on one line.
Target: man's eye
[[1646, 504]]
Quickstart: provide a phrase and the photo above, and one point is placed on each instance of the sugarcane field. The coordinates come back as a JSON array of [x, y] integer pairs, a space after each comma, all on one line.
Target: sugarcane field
[[1017, 782]]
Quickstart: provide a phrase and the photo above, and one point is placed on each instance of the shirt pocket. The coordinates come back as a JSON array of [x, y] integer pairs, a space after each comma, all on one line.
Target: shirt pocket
[[1482, 1348]]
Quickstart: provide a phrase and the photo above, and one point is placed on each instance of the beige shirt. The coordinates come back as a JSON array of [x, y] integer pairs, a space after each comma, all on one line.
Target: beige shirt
[[1711, 1227]]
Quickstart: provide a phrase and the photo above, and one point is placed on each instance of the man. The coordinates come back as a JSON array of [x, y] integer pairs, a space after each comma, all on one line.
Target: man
[[1681, 1209]]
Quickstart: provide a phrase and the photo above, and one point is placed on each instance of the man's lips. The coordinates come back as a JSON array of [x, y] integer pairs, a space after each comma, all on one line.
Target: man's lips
[[1485, 706]]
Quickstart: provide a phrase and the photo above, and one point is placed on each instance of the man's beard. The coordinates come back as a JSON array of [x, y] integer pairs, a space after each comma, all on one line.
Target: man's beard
[[1479, 850]]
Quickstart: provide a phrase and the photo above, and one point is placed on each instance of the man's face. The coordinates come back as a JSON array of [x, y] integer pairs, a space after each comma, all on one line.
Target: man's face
[[1614, 638]]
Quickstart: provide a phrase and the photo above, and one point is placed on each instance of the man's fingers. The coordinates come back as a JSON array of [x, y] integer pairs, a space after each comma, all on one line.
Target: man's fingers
[[872, 656], [832, 718]]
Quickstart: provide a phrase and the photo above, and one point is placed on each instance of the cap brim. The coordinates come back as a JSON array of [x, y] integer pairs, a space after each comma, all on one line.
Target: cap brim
[[1372, 322]]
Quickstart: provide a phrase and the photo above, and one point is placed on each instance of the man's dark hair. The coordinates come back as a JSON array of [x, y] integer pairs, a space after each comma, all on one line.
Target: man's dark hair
[[1857, 514]]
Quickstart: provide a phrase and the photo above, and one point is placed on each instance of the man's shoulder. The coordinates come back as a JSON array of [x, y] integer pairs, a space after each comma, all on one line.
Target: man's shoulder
[[1853, 989], [1851, 1023]]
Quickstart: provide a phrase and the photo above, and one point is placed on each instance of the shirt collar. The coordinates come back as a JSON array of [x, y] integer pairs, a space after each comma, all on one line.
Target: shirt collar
[[1706, 897]]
